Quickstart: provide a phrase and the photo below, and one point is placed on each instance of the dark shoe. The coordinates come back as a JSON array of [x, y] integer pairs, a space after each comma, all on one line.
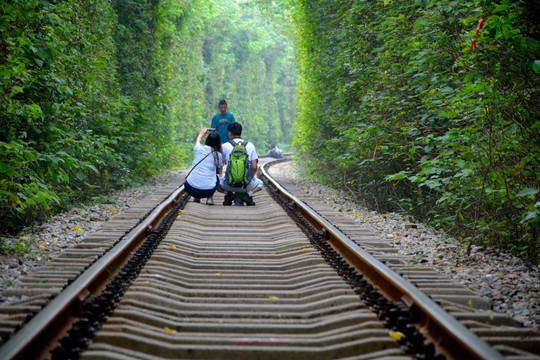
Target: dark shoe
[[196, 200], [248, 200], [228, 199], [238, 200]]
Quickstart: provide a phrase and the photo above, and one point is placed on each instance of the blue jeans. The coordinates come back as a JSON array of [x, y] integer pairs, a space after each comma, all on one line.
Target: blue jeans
[[198, 193]]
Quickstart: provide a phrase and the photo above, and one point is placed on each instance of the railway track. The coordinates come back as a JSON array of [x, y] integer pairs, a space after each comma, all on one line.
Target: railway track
[[281, 280]]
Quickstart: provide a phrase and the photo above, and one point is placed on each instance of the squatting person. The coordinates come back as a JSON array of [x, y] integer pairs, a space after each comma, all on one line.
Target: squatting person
[[234, 132], [203, 180]]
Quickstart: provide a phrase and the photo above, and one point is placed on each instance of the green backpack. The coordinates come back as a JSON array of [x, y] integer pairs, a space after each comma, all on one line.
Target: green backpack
[[238, 172]]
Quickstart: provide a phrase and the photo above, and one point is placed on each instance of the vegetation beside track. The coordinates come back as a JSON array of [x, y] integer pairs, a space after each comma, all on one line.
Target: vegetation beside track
[[455, 114]]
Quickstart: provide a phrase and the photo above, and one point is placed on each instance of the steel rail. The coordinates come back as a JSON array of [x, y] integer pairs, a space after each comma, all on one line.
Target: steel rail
[[451, 337], [44, 330]]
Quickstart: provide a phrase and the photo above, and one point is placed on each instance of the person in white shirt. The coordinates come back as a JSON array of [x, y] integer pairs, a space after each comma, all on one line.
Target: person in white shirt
[[244, 195], [202, 181]]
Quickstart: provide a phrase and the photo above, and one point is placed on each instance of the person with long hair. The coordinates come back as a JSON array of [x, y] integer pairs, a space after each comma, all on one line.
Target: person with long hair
[[202, 181]]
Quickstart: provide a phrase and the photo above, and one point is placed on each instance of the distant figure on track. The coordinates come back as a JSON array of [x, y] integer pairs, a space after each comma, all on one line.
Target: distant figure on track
[[239, 182], [275, 152], [221, 120], [202, 181]]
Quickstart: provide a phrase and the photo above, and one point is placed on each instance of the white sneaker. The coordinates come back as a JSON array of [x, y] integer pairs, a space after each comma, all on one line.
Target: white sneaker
[[209, 201]]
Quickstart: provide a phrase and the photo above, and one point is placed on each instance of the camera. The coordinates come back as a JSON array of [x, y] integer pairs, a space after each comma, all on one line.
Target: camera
[[210, 130]]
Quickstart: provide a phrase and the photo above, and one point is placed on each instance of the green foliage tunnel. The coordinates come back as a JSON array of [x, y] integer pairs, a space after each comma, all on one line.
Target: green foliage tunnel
[[457, 124], [96, 95]]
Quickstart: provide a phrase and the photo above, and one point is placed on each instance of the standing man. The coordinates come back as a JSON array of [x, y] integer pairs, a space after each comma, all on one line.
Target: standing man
[[221, 120]]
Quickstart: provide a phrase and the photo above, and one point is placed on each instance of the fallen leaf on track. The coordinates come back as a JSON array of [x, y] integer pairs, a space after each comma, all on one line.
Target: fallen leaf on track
[[397, 335]]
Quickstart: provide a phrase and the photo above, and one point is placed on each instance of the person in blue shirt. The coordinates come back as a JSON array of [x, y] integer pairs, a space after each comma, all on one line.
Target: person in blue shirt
[[221, 120]]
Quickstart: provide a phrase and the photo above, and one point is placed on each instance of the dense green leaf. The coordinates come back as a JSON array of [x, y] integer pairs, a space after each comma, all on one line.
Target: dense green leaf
[[536, 66]]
